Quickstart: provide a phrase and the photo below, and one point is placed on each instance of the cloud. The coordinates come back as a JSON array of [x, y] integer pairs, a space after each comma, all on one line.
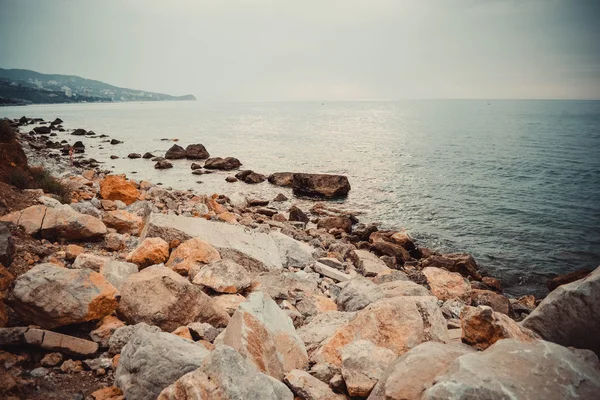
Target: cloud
[[314, 50]]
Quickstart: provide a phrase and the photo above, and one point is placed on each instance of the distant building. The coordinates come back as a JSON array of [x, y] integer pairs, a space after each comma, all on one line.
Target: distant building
[[68, 91]]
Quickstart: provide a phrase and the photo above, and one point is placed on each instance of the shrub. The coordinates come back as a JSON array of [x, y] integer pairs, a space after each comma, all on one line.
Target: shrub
[[42, 179], [18, 178], [7, 134]]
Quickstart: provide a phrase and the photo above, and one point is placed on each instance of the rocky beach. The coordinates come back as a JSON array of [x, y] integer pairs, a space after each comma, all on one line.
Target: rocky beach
[[114, 288]]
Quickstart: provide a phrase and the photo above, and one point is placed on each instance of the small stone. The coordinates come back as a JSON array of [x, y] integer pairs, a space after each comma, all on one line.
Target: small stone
[[151, 251], [51, 360], [71, 366]]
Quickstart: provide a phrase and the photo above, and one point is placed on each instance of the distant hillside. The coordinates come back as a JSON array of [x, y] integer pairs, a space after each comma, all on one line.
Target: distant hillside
[[23, 86]]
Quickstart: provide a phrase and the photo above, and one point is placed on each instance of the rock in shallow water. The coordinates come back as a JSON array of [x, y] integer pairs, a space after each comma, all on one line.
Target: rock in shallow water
[[320, 185]]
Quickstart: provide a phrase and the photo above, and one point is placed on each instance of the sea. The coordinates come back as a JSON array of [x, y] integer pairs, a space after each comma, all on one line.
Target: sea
[[515, 183]]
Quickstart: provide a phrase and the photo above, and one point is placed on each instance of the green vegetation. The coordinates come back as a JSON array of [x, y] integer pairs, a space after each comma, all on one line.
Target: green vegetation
[[42, 179]]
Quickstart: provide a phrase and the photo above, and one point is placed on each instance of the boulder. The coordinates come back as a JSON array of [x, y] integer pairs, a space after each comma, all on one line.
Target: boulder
[[307, 387], [323, 326], [30, 218], [226, 375], [147, 155], [176, 152], [262, 333], [447, 285], [196, 152], [105, 329], [368, 264], [385, 248], [51, 296], [254, 250], [223, 276], [151, 361], [496, 301], [512, 369], [297, 214], [7, 246], [482, 327], [398, 324], [161, 297], [415, 371], [151, 251], [285, 285], [320, 185], [190, 252], [134, 155], [342, 223], [281, 179], [117, 272], [225, 164], [163, 164], [116, 187], [44, 130], [570, 314], [360, 292], [464, 264], [90, 261], [363, 364], [65, 223], [567, 278], [123, 221], [229, 302], [250, 177], [195, 166], [121, 335]]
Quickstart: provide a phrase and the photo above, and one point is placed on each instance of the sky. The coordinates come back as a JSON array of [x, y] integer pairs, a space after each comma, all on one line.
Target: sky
[[278, 50]]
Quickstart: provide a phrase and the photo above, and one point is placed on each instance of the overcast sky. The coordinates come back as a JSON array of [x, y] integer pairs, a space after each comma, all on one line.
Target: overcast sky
[[258, 50]]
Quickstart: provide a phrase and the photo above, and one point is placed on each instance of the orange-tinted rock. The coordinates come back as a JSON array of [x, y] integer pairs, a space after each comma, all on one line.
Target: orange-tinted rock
[[151, 251], [184, 332], [108, 393], [73, 251], [447, 285], [51, 296], [228, 217], [213, 205], [229, 302], [398, 324], [190, 252], [123, 221], [482, 327], [223, 276], [497, 302], [105, 329], [65, 223], [262, 333], [116, 187], [6, 279], [158, 296], [415, 371]]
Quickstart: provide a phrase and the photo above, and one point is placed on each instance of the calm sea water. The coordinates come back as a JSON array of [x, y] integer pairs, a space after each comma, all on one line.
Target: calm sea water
[[515, 183]]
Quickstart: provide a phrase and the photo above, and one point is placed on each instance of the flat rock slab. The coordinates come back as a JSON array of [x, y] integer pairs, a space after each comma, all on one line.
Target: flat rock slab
[[48, 340], [255, 250]]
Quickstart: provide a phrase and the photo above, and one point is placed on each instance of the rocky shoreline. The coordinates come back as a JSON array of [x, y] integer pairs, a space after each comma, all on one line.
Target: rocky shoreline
[[136, 291]]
